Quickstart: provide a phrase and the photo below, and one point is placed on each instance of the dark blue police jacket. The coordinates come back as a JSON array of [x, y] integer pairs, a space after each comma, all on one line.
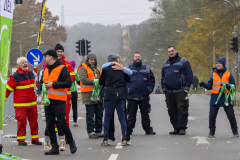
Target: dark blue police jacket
[[142, 82]]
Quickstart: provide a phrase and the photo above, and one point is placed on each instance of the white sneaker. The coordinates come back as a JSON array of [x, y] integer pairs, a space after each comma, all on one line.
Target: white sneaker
[[110, 142], [62, 145], [47, 146], [129, 142]]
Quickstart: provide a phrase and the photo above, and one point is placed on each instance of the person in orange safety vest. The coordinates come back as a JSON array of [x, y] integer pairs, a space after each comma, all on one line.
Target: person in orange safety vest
[[89, 71], [219, 77], [57, 80]]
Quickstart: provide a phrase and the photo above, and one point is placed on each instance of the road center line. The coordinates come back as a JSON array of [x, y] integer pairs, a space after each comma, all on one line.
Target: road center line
[[119, 146], [113, 157]]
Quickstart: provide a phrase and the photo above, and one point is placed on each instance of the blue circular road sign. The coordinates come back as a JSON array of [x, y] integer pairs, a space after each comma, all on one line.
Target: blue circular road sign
[[34, 56]]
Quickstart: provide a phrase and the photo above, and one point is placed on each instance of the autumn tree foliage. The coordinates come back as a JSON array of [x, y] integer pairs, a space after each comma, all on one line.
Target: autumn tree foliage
[[24, 34]]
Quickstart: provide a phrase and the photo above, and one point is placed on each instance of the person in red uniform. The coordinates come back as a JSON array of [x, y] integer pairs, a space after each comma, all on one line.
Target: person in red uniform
[[60, 52], [22, 83]]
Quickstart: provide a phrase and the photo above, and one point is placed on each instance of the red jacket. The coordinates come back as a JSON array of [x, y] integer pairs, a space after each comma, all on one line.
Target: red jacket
[[22, 83], [70, 70]]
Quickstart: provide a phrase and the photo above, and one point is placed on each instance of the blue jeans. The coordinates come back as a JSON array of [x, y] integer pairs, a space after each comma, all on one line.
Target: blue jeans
[[94, 126], [109, 106]]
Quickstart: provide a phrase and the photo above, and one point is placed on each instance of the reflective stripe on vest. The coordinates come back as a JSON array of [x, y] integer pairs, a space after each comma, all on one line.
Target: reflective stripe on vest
[[88, 88], [218, 82], [56, 94]]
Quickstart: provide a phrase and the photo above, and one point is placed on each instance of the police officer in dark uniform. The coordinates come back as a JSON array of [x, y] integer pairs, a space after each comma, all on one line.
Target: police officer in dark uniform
[[141, 85], [176, 80]]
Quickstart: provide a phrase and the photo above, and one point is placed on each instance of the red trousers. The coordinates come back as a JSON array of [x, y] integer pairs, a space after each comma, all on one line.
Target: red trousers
[[21, 115], [67, 110]]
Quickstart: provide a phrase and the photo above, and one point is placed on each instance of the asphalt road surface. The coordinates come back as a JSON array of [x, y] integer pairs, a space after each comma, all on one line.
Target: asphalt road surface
[[193, 146]]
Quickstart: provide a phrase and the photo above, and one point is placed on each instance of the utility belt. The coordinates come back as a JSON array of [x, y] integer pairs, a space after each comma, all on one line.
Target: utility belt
[[114, 86], [174, 91]]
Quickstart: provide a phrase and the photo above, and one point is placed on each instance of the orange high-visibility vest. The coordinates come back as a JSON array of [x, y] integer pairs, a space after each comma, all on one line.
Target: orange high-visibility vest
[[56, 94], [87, 88], [218, 82]]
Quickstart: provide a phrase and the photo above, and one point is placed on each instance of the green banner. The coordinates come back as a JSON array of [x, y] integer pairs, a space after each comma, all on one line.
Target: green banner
[[6, 16]]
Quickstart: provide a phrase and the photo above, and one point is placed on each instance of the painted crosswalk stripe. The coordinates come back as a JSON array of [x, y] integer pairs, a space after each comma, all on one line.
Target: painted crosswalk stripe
[[119, 146], [113, 157]]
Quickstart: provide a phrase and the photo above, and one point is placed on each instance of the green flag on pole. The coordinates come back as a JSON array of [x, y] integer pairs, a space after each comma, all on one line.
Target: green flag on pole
[[6, 16]]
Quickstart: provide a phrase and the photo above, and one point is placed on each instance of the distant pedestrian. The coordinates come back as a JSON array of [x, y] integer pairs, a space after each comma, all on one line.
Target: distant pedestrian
[[74, 97], [219, 77], [158, 91], [176, 81], [195, 82]]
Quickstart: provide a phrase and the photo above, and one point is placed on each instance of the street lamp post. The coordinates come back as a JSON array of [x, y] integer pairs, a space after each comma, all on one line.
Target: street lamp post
[[20, 41]]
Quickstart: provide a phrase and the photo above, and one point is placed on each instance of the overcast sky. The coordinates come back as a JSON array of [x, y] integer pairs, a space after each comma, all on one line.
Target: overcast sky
[[105, 12]]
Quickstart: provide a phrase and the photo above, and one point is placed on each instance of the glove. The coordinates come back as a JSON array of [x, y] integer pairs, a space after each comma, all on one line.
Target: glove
[[201, 84]]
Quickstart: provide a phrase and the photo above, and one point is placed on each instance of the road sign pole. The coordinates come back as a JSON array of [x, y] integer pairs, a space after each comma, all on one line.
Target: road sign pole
[[35, 71]]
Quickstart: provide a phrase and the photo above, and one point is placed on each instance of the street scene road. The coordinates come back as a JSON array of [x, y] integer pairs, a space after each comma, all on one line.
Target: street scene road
[[194, 145]]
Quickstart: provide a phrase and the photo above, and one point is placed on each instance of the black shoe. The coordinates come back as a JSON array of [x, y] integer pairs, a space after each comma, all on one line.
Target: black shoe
[[73, 147], [174, 132], [67, 142], [150, 133], [53, 151], [23, 143], [182, 132], [37, 142], [94, 136], [211, 135]]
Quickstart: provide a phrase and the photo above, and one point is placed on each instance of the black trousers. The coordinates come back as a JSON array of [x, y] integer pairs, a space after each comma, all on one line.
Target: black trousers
[[94, 110], [51, 112], [132, 113], [177, 109], [195, 87], [60, 132], [111, 130], [230, 115], [74, 99]]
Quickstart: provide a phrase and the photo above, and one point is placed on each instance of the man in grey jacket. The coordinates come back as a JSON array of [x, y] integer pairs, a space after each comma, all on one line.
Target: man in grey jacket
[[89, 71]]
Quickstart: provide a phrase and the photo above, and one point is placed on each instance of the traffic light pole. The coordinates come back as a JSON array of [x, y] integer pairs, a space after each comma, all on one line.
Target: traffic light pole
[[236, 59]]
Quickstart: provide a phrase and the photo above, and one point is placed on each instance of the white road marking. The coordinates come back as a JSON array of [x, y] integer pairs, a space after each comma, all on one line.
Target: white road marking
[[113, 157], [4, 125], [192, 118], [119, 146], [201, 140]]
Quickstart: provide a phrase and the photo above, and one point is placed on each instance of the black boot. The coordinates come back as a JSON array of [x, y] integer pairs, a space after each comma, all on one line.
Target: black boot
[[73, 147], [23, 143], [150, 133], [37, 142], [174, 132], [53, 151], [182, 132]]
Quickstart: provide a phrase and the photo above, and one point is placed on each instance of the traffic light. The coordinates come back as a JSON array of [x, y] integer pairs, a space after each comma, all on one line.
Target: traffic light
[[88, 46], [234, 44], [78, 47], [19, 1], [83, 47]]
